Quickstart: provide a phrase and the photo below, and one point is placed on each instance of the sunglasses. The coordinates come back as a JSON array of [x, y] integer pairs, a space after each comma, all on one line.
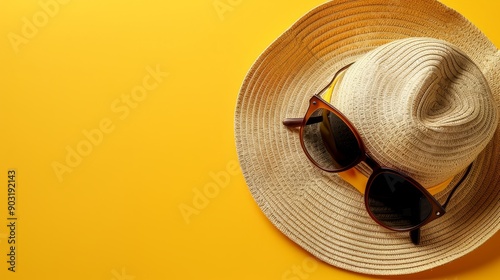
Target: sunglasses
[[392, 199]]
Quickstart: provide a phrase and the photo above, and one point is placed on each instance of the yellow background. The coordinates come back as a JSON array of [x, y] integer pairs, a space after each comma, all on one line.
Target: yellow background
[[117, 214]]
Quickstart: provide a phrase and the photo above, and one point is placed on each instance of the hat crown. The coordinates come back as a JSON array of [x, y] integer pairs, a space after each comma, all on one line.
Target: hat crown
[[421, 106]]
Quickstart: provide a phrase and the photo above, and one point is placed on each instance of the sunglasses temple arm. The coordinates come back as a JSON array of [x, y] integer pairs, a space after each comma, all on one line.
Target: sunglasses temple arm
[[293, 122], [456, 186], [415, 236], [297, 122]]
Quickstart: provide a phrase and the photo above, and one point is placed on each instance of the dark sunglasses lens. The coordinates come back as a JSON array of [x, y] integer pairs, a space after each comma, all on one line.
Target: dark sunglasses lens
[[329, 141], [397, 203]]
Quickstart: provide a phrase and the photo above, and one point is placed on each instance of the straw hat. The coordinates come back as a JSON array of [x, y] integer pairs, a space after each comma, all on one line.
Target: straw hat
[[424, 94]]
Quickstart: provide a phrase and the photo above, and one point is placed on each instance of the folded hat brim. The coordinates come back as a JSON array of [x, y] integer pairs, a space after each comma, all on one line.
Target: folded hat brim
[[318, 210]]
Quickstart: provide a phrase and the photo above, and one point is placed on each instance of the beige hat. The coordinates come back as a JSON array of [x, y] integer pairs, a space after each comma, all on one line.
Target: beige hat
[[423, 93]]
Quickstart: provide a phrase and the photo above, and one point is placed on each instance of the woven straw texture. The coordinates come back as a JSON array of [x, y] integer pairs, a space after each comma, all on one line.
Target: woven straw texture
[[318, 210], [428, 113]]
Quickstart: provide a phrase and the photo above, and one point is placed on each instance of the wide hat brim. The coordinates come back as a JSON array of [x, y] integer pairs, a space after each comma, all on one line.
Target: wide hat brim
[[318, 210]]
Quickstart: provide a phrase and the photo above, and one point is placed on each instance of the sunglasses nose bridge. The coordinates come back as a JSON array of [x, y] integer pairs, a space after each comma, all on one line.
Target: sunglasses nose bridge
[[371, 162]]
